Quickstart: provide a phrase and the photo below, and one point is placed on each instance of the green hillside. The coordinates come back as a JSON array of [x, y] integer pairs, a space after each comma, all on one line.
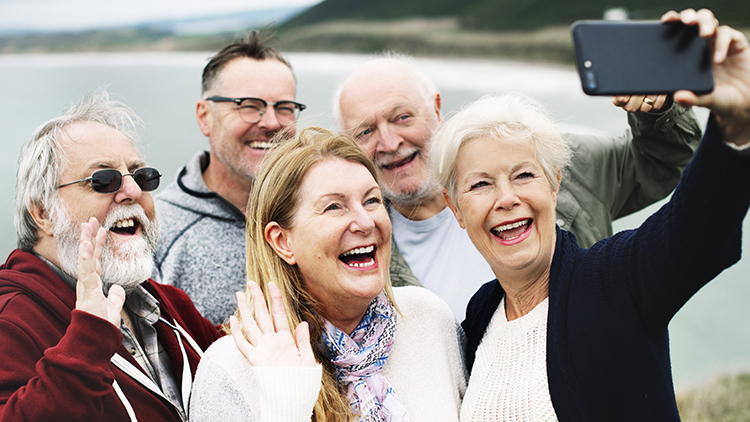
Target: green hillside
[[509, 14]]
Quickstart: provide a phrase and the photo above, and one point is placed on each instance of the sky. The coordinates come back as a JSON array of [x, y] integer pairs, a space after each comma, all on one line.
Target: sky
[[89, 14]]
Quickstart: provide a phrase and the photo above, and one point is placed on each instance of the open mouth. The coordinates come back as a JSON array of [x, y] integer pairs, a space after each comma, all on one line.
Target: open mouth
[[512, 230], [400, 163], [128, 226], [359, 257], [262, 145]]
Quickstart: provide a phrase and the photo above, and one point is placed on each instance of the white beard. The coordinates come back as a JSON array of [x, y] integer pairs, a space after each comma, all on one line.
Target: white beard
[[427, 190], [124, 263]]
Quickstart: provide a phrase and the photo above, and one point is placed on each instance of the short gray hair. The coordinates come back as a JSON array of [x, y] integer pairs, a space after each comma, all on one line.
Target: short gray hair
[[510, 117], [426, 87], [43, 161], [253, 46]]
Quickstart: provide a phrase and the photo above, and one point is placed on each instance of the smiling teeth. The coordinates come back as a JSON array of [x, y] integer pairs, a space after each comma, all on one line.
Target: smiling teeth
[[359, 251], [362, 264], [122, 224], [515, 225], [262, 145]]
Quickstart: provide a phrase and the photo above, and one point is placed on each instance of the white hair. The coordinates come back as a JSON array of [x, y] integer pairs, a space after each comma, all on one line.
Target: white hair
[[507, 118], [43, 161]]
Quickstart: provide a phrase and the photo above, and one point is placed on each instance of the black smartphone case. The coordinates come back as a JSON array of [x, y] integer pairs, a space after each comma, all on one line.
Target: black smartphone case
[[641, 57]]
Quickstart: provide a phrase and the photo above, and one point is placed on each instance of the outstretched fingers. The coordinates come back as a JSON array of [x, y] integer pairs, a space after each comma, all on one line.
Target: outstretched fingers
[[302, 337], [89, 294], [268, 341], [242, 343], [279, 310], [249, 324], [89, 256]]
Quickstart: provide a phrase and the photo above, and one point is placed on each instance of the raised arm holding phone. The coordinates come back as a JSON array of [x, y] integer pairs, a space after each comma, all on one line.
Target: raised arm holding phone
[[603, 312], [573, 334]]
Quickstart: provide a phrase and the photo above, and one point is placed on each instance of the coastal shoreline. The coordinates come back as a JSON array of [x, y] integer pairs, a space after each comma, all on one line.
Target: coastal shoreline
[[419, 37]]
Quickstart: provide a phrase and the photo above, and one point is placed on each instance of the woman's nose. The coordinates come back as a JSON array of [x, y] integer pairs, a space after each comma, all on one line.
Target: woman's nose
[[363, 221]]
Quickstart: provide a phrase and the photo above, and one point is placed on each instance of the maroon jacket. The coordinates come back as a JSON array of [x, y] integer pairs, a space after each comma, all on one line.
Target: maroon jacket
[[55, 361]]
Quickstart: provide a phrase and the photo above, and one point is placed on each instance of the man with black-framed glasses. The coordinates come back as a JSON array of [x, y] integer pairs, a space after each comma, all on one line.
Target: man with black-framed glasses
[[85, 335], [247, 106]]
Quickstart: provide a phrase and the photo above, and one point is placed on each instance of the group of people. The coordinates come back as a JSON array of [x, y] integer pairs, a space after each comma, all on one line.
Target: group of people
[[357, 283]]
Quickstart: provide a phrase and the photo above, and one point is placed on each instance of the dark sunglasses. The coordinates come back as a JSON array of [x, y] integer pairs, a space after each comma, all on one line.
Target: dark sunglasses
[[110, 180]]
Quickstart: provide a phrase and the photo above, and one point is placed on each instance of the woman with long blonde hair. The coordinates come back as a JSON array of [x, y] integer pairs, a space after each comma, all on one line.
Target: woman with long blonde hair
[[335, 347]]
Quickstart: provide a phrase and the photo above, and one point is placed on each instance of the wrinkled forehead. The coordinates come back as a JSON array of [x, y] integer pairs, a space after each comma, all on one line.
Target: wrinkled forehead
[[269, 79], [92, 144], [362, 104], [323, 179]]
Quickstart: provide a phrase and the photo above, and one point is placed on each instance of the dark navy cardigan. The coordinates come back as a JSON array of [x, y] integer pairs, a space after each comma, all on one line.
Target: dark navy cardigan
[[607, 341]]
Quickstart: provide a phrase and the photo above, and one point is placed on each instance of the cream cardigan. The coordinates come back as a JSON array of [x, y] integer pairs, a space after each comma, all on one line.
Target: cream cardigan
[[424, 368]]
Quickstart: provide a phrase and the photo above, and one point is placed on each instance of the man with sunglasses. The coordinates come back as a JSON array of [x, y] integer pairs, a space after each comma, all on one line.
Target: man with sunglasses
[[86, 335], [247, 106]]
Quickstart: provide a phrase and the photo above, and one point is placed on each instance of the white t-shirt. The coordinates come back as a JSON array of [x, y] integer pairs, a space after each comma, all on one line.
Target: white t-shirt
[[442, 257]]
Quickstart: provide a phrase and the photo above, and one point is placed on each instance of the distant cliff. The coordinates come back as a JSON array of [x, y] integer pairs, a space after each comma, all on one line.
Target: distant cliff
[[532, 30], [503, 15]]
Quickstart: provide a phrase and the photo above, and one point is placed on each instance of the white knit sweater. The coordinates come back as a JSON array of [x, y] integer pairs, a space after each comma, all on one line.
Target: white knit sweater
[[424, 368], [509, 377]]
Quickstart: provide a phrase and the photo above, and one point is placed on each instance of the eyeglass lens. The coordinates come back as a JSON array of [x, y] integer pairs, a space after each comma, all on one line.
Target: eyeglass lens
[[110, 180], [252, 110]]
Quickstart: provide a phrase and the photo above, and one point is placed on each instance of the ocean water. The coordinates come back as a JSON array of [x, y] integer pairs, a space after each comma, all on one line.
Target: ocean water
[[708, 336]]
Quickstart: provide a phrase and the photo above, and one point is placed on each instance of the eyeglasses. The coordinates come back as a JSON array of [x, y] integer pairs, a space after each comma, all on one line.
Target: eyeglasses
[[252, 109], [110, 180]]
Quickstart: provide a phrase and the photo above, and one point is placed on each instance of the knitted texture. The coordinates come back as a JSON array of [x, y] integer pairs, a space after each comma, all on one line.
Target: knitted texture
[[201, 248], [424, 369], [609, 306], [509, 379]]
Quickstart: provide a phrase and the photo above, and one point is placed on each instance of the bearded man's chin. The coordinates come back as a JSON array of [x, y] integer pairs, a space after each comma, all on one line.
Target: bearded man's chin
[[131, 266]]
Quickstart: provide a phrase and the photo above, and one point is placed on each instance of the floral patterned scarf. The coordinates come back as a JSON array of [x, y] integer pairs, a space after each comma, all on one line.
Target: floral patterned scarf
[[358, 359]]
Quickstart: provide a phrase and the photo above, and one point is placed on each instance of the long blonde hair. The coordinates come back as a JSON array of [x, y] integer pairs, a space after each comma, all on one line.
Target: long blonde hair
[[275, 197]]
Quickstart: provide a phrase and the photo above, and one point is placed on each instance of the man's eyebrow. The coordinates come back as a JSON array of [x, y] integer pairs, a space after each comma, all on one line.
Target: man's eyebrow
[[400, 106], [134, 165], [367, 121], [108, 164]]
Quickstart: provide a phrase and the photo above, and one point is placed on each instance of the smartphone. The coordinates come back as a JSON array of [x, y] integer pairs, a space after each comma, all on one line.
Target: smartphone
[[641, 57]]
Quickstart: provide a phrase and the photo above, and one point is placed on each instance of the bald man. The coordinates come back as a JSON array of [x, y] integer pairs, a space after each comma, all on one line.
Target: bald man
[[392, 109]]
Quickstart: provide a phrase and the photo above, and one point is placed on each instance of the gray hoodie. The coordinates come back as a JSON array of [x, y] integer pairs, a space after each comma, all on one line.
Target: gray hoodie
[[201, 247]]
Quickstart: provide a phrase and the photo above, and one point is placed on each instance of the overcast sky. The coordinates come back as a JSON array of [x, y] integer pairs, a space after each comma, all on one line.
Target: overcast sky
[[84, 14]]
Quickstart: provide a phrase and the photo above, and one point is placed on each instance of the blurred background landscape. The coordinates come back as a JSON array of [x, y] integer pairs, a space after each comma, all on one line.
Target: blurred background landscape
[[150, 54], [536, 30]]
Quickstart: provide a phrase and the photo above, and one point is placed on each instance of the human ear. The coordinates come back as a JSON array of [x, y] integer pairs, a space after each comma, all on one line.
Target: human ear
[[279, 240], [454, 208], [202, 114], [437, 107], [558, 176], [42, 220]]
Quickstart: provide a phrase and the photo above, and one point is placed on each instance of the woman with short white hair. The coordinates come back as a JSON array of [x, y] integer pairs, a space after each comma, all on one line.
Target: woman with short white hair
[[573, 334]]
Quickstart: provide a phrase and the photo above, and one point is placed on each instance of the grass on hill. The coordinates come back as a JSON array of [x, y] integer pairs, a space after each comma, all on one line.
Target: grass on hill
[[430, 37], [727, 399]]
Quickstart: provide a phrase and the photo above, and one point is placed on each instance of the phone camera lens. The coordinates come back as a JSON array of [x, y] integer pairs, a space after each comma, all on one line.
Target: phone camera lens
[[590, 80]]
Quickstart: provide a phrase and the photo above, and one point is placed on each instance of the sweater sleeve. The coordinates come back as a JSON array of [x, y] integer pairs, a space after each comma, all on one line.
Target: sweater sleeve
[[687, 242], [228, 388], [67, 381], [611, 177]]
